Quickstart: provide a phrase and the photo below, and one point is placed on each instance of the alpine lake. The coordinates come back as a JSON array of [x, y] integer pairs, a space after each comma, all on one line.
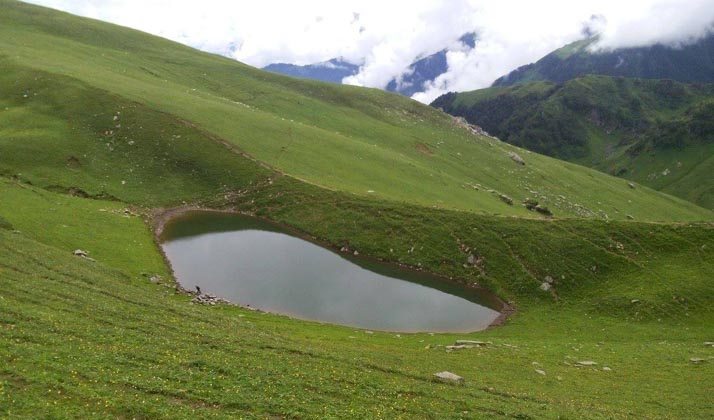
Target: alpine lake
[[255, 263]]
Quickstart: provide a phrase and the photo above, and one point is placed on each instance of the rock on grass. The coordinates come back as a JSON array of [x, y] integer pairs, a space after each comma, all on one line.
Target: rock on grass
[[449, 377]]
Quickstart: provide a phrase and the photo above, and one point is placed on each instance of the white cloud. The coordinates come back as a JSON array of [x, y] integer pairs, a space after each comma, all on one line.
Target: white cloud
[[416, 30], [515, 33], [668, 22], [386, 36]]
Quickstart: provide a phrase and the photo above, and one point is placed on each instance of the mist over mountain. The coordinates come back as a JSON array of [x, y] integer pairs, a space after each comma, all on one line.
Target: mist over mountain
[[413, 80], [692, 62]]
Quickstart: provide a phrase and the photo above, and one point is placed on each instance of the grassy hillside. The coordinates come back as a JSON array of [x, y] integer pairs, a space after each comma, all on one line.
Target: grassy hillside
[[100, 127], [655, 132], [86, 339], [692, 62], [337, 137]]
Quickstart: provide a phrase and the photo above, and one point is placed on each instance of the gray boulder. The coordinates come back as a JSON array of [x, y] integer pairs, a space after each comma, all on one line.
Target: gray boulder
[[449, 377], [80, 253], [516, 158]]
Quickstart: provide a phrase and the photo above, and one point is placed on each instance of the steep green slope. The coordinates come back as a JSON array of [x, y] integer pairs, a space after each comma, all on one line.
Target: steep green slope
[[88, 152], [691, 63], [361, 141], [656, 132]]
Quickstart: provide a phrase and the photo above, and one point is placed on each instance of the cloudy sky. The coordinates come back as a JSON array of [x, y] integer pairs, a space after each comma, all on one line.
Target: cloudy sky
[[384, 37]]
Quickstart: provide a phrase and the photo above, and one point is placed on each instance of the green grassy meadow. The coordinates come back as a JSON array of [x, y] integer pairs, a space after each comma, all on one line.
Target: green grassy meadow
[[337, 137], [101, 128]]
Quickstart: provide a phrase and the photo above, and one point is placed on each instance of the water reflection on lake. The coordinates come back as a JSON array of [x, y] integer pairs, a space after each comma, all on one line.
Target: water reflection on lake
[[251, 262]]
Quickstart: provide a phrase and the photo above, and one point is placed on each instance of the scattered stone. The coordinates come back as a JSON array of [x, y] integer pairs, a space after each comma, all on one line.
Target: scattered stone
[[630, 217], [697, 360], [606, 369], [206, 299], [631, 185], [530, 204], [586, 363], [709, 343], [474, 260], [516, 158], [540, 372], [449, 377], [506, 199], [549, 280], [467, 344], [369, 332], [545, 286], [80, 253], [459, 347], [155, 279], [543, 210], [635, 301], [344, 249], [356, 253], [472, 343]]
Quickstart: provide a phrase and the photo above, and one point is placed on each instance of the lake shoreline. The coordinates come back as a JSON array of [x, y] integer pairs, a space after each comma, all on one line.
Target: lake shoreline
[[159, 218]]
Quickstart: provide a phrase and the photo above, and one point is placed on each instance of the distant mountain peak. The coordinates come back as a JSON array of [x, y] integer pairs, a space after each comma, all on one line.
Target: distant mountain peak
[[413, 80], [469, 39], [333, 70]]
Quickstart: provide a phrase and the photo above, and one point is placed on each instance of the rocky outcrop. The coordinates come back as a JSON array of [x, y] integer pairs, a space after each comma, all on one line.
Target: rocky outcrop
[[206, 299], [473, 129]]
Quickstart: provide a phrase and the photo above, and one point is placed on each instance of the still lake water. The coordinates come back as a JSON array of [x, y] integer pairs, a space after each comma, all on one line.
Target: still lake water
[[251, 262]]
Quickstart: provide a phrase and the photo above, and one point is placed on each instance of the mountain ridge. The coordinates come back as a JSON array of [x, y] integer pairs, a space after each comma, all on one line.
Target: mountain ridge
[[692, 62]]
